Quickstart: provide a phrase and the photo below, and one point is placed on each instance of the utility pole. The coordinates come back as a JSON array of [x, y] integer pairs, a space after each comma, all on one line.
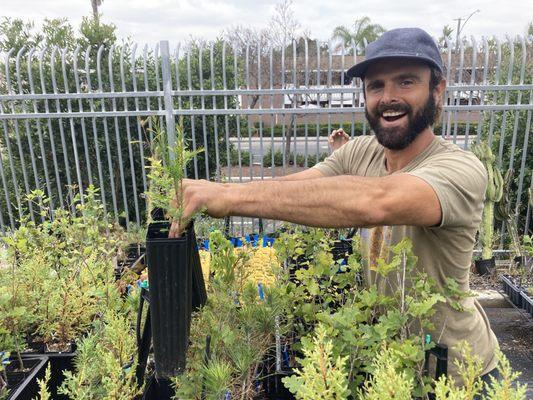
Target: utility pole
[[458, 32], [460, 28]]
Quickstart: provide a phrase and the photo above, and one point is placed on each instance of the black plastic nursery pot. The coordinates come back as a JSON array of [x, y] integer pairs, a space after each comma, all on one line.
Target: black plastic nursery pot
[[170, 281], [158, 389], [176, 288], [485, 267], [23, 385]]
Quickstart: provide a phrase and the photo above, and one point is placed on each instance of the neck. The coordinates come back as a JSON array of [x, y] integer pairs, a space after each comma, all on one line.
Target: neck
[[398, 159]]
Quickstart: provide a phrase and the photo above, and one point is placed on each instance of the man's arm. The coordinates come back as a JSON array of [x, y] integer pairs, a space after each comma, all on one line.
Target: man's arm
[[311, 173], [334, 202]]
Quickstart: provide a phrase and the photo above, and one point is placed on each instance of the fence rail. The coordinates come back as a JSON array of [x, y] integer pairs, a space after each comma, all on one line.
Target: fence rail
[[79, 117]]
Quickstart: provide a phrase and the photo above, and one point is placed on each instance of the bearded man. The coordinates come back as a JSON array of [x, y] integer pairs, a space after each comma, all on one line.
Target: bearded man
[[403, 181]]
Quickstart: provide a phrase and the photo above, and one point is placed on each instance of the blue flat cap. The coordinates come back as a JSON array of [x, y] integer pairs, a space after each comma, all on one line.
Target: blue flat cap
[[413, 43]]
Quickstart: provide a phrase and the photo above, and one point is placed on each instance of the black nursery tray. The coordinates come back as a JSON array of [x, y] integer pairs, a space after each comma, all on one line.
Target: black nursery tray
[[512, 290], [23, 385], [527, 302]]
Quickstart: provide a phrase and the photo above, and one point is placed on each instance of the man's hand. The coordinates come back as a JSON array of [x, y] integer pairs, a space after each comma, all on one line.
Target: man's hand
[[201, 195], [337, 139]]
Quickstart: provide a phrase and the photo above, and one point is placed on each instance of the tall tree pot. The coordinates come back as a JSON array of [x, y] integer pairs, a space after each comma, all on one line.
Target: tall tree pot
[[170, 279]]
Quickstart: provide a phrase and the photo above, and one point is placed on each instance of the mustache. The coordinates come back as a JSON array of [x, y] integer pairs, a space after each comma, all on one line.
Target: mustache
[[381, 108]]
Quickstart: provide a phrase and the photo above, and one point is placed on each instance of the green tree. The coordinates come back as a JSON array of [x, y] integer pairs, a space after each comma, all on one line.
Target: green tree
[[446, 34], [363, 30], [119, 143], [15, 33]]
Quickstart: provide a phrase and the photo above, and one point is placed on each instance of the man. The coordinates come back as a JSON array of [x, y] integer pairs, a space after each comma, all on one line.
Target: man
[[402, 182]]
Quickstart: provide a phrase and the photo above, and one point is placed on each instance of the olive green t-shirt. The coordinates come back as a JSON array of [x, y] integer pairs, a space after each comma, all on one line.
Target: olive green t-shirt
[[459, 180]]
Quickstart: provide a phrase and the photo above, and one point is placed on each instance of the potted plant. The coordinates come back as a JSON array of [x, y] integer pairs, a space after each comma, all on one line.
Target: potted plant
[[493, 195], [504, 213], [174, 271]]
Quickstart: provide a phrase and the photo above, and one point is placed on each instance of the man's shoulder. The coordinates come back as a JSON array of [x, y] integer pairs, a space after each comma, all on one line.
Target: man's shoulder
[[365, 143], [447, 151]]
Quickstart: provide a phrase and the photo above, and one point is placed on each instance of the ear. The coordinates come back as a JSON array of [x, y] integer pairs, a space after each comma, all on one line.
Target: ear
[[439, 90]]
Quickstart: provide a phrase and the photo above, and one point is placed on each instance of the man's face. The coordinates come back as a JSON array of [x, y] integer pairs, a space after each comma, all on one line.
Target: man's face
[[399, 103]]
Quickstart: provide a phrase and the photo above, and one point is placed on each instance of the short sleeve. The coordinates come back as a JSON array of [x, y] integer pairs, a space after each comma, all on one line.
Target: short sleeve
[[345, 159], [459, 179]]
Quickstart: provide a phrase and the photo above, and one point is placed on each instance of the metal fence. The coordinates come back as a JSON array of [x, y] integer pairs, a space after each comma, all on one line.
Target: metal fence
[[78, 117]]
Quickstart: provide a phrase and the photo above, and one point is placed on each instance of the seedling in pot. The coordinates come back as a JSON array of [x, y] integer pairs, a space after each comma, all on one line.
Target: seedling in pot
[[166, 173]]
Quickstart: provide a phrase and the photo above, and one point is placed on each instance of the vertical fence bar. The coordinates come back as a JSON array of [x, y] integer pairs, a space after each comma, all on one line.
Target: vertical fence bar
[[306, 103], [496, 93], [260, 102], [294, 116], [215, 121], [80, 109], [167, 94], [459, 93], [226, 120], [117, 136], [318, 98], [525, 147], [283, 127], [27, 126], [472, 82], [6, 195], [11, 165], [352, 85], [499, 159], [95, 130], [518, 101], [50, 131], [482, 93], [202, 102], [191, 106], [71, 123], [248, 119], [128, 136], [133, 64], [446, 116], [106, 133], [273, 120], [17, 134], [61, 131], [39, 131], [180, 102]]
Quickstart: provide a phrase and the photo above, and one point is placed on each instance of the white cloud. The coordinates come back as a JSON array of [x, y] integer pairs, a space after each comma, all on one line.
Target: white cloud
[[150, 21]]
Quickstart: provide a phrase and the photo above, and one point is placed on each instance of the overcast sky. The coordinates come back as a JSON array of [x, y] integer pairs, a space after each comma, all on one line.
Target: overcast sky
[[148, 21]]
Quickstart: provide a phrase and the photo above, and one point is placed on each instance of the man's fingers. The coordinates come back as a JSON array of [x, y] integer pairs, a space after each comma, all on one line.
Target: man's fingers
[[174, 230]]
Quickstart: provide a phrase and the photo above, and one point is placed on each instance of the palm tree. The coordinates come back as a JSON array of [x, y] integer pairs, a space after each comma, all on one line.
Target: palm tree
[[96, 4], [446, 34], [363, 30]]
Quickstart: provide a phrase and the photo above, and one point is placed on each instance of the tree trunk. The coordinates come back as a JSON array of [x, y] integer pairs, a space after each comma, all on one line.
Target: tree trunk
[[94, 4]]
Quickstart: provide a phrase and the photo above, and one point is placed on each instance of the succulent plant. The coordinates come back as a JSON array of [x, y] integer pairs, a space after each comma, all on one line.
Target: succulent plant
[[493, 195]]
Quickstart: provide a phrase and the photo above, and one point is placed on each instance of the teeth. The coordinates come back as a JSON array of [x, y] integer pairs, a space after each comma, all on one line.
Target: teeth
[[392, 113]]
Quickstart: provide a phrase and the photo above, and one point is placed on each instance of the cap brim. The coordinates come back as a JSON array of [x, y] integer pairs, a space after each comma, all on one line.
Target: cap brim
[[358, 70]]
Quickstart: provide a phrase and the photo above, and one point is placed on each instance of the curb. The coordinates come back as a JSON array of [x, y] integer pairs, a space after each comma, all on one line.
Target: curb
[[490, 298]]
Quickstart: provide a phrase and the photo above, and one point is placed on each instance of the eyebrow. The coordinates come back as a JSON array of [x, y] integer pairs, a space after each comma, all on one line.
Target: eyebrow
[[407, 75]]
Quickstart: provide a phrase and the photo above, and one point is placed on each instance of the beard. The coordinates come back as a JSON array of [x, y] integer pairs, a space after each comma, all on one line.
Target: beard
[[400, 138]]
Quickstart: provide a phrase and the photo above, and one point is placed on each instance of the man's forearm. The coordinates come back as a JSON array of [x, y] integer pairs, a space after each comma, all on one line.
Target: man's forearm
[[342, 201]]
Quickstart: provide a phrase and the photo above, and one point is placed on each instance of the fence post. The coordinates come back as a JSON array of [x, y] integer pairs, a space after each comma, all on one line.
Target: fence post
[[167, 94]]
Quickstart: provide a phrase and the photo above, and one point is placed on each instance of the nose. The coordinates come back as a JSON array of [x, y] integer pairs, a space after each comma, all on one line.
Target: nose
[[389, 94]]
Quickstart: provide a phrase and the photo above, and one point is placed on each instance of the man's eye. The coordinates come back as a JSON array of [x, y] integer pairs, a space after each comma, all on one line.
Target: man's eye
[[406, 83]]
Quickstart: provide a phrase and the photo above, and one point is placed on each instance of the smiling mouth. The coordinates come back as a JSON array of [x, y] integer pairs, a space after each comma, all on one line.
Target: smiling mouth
[[392, 116]]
